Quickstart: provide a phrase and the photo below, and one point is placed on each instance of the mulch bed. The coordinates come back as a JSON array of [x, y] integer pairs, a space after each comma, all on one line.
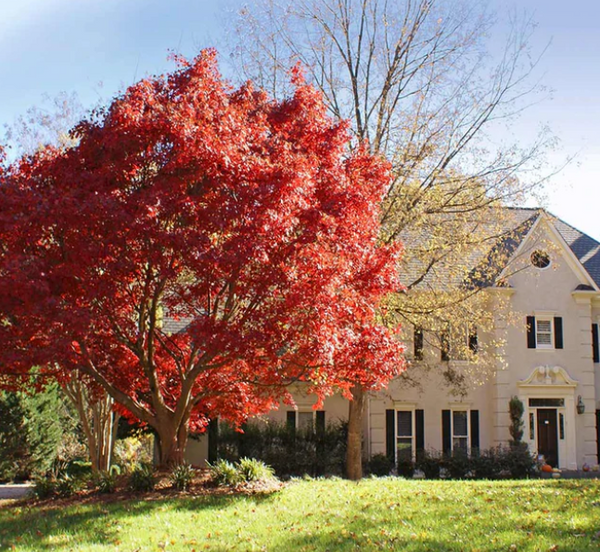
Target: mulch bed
[[201, 486]]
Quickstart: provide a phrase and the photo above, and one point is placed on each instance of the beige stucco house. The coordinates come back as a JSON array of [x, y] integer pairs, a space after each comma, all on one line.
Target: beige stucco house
[[548, 357]]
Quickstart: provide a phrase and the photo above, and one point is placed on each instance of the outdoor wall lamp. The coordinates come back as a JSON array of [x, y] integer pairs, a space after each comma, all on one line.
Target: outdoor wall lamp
[[580, 405]]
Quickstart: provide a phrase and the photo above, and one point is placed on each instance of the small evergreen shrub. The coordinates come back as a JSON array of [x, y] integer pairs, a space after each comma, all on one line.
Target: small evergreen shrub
[[181, 477], [380, 465], [291, 452], [223, 472], [142, 478], [405, 468], [44, 487], [429, 463], [251, 469], [457, 464]]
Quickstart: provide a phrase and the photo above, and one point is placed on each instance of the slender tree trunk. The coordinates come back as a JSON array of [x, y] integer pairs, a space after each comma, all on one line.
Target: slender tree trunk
[[356, 410]]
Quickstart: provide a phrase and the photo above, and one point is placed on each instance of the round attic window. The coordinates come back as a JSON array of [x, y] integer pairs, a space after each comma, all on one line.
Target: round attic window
[[540, 259]]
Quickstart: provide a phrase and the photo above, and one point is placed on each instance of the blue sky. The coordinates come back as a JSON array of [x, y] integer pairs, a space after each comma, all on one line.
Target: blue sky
[[96, 47]]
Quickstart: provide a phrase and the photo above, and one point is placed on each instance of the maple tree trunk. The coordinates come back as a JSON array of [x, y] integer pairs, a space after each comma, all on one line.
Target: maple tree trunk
[[356, 410], [171, 443]]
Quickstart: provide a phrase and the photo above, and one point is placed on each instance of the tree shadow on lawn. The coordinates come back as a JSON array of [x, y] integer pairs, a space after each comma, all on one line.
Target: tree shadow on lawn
[[51, 525]]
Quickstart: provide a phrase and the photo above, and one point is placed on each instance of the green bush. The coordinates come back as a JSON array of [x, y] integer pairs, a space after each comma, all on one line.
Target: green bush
[[223, 472], [380, 465], [44, 487], [514, 462], [457, 464], [291, 452], [429, 463], [405, 468], [106, 481], [251, 469], [142, 478], [67, 486], [32, 427], [181, 477]]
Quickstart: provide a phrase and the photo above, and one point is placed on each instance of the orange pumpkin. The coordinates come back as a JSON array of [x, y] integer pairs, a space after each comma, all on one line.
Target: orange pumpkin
[[547, 468]]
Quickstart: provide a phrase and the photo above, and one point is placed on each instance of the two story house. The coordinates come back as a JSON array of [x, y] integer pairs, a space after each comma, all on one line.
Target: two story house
[[545, 304]]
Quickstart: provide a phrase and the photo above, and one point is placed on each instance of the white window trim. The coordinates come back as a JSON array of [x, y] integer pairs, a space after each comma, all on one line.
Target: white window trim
[[462, 408], [413, 420], [544, 346]]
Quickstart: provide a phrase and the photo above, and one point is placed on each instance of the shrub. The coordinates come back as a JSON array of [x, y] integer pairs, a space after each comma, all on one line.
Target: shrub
[[44, 487], [142, 478], [223, 472], [251, 469], [516, 410], [380, 465], [291, 452], [67, 486], [134, 450], [429, 463], [106, 481], [405, 468], [457, 464], [181, 477]]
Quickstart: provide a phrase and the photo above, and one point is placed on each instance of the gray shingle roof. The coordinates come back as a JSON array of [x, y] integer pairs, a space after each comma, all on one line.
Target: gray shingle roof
[[585, 248]]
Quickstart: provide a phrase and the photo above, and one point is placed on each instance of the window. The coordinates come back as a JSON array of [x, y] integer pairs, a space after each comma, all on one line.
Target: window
[[595, 348], [418, 343], [459, 343], [445, 345], [404, 435], [540, 259], [544, 332], [460, 430], [306, 419]]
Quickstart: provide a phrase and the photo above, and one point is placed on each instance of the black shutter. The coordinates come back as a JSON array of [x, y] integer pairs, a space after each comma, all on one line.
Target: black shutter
[[598, 434], [420, 430], [390, 435], [291, 420], [595, 349], [446, 436], [445, 345], [558, 333], [418, 343], [474, 429], [473, 341], [213, 440], [320, 421], [531, 332]]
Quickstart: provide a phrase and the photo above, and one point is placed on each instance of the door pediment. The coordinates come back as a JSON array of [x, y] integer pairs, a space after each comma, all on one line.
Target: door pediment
[[548, 376]]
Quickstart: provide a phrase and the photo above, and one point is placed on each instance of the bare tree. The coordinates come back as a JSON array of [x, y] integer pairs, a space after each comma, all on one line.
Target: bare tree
[[418, 85]]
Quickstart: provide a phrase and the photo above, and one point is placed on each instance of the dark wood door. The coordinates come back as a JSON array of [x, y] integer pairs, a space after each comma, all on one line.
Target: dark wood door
[[547, 435]]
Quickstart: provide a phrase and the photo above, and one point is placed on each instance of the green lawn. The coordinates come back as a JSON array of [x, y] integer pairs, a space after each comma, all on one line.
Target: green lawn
[[375, 514]]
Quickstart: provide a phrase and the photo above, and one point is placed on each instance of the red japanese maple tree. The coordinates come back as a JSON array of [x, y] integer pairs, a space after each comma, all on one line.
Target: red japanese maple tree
[[200, 249]]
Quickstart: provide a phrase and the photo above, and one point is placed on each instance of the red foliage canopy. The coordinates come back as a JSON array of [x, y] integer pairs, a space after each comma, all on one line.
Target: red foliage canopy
[[247, 220]]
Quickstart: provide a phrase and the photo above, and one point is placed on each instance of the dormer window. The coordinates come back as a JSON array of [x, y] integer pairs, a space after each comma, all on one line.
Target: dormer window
[[540, 259]]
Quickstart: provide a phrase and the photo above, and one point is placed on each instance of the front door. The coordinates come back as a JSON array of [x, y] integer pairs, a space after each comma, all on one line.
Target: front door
[[547, 435]]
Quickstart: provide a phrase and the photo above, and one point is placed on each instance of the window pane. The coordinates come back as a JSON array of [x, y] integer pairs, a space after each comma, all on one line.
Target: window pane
[[544, 339], [459, 443], [305, 420], [404, 423], [404, 449], [459, 423], [544, 326], [546, 402]]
